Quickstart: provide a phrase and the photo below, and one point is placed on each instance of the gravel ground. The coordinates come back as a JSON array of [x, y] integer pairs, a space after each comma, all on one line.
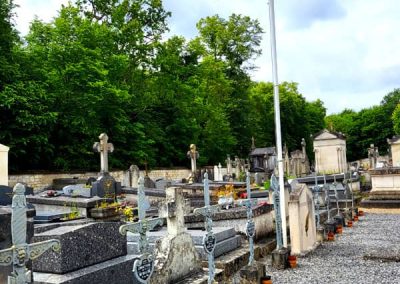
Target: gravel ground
[[344, 261]]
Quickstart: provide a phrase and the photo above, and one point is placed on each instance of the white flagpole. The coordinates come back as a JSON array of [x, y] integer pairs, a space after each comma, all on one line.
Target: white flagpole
[[277, 122]]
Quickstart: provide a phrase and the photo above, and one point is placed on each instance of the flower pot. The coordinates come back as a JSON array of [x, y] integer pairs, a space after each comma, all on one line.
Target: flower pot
[[331, 236], [349, 223], [266, 280], [360, 213], [355, 218], [292, 259], [339, 230]]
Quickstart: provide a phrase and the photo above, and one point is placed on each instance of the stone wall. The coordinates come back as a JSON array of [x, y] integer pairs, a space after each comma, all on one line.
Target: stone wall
[[39, 181]]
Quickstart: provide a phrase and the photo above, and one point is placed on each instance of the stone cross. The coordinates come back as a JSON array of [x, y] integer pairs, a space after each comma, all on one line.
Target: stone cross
[[174, 210], [250, 226], [103, 147], [193, 155], [144, 266], [316, 192], [229, 164], [209, 240], [237, 167], [351, 190], [21, 252], [277, 209], [220, 172]]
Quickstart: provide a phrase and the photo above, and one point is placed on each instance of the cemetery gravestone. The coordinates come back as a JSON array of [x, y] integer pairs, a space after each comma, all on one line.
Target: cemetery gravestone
[[4, 164], [135, 174], [193, 155], [301, 220], [105, 185], [176, 254]]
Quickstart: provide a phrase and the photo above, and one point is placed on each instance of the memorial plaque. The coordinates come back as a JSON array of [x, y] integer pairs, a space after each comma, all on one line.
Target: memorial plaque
[[250, 228], [209, 242], [143, 268]]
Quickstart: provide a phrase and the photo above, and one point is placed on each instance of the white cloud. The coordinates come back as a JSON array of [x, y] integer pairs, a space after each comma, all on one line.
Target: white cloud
[[345, 53]]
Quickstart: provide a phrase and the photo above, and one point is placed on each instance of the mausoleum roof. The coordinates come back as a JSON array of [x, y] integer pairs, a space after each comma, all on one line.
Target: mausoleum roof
[[339, 135]]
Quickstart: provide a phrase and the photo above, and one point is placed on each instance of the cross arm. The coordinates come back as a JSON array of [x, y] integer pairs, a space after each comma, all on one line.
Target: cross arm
[[207, 211], [142, 225], [37, 249], [6, 256]]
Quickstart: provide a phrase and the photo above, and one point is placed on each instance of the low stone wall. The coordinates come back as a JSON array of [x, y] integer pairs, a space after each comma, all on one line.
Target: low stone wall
[[40, 181]]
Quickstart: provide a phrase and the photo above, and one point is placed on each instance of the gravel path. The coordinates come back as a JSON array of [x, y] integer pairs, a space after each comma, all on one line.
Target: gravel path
[[343, 261]]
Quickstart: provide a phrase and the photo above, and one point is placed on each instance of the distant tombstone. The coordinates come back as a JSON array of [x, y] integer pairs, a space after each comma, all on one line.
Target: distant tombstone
[[193, 155], [303, 234], [6, 194], [373, 156], [219, 172], [237, 166], [78, 190], [229, 165], [126, 179], [106, 186], [216, 174], [162, 183], [135, 173], [4, 164], [258, 178], [149, 183]]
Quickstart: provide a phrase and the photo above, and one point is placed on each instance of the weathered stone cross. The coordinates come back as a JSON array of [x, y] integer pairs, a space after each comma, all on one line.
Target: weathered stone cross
[[21, 252], [103, 147], [209, 240], [193, 155], [144, 266], [250, 226], [277, 209]]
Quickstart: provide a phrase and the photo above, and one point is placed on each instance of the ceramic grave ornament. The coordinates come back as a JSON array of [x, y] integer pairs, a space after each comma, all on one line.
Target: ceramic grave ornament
[[21, 252], [209, 240], [144, 266]]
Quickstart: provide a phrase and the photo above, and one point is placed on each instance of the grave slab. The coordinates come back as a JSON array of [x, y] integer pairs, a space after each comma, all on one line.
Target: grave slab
[[114, 271], [81, 246]]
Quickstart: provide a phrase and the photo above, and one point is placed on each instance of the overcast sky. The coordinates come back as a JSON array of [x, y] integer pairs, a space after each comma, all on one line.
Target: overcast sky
[[346, 53]]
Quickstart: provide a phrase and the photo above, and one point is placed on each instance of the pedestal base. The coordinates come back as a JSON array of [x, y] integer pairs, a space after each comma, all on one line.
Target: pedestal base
[[280, 258], [253, 273]]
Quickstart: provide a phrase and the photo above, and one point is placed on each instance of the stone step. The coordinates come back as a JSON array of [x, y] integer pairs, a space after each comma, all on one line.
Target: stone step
[[202, 277]]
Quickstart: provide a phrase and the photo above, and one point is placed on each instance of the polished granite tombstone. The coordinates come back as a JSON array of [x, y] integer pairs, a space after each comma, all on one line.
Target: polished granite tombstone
[[91, 252]]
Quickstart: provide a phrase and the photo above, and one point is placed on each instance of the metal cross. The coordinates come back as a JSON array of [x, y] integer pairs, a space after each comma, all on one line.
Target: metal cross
[[21, 252], [327, 198], [250, 226], [277, 209], [316, 191], [209, 240], [351, 190], [336, 194], [142, 267], [103, 147]]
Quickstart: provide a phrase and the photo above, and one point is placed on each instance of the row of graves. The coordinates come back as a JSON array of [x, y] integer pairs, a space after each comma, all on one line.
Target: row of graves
[[211, 228], [82, 233]]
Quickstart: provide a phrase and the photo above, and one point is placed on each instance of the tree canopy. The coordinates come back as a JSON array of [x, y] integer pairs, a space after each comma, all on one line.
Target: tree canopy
[[107, 66]]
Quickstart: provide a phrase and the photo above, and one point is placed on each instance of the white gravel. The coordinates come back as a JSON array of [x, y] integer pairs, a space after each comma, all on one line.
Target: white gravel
[[342, 261]]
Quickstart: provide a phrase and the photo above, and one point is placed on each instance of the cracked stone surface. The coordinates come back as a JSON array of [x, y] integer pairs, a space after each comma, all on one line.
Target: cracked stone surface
[[367, 253]]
